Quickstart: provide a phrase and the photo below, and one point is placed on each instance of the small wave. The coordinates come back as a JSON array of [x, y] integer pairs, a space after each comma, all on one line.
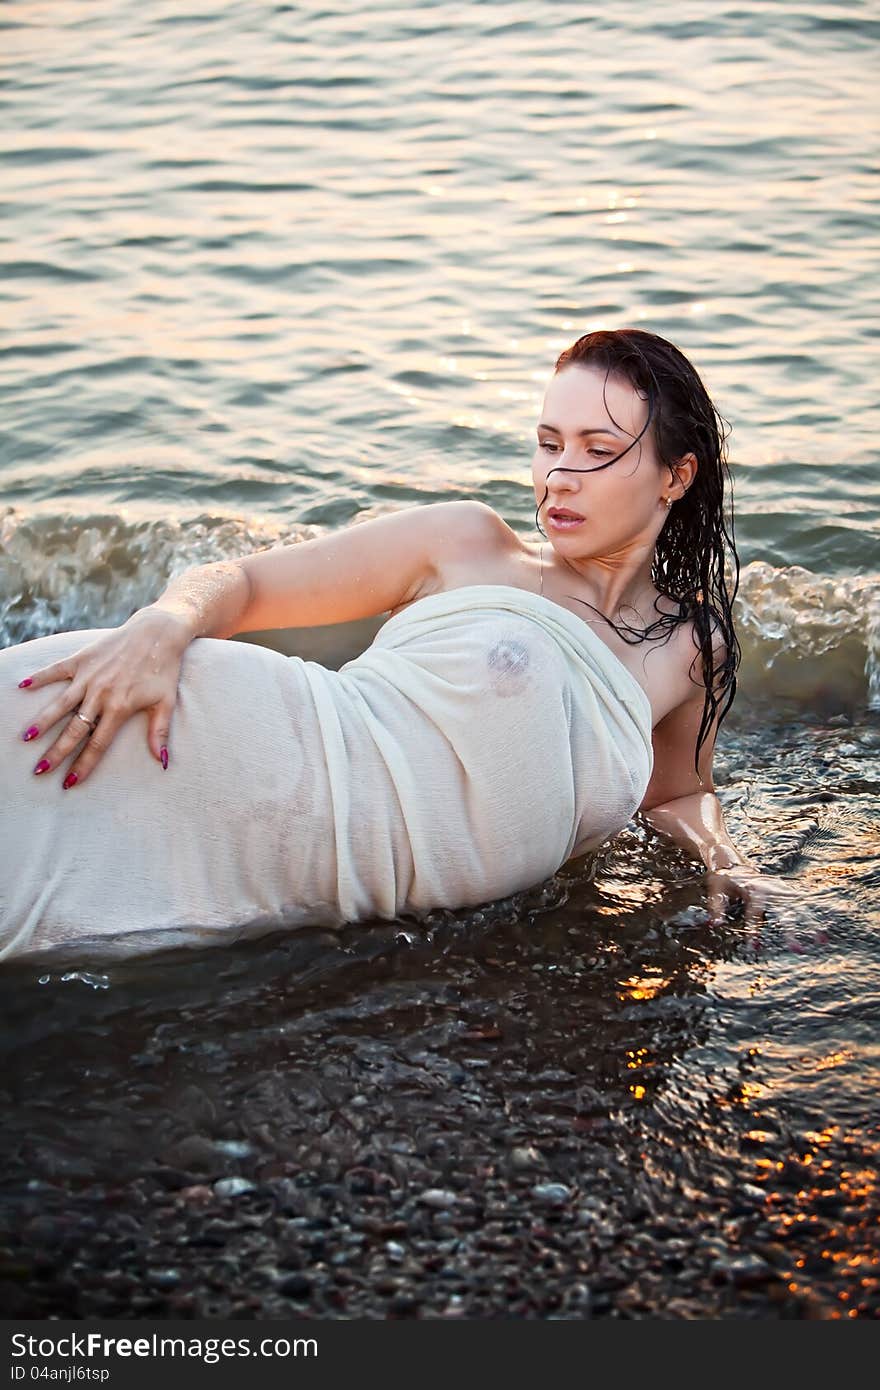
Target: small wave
[[45, 270], [811, 638], [62, 573]]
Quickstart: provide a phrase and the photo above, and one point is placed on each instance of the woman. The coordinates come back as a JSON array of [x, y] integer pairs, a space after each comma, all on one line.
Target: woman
[[522, 702]]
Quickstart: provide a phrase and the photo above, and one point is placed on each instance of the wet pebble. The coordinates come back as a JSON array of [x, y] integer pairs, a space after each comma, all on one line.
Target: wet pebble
[[195, 1153], [748, 1270], [744, 1271], [233, 1187], [752, 1193], [438, 1198], [404, 1305], [552, 1194], [295, 1286], [198, 1193], [525, 1157], [173, 1179]]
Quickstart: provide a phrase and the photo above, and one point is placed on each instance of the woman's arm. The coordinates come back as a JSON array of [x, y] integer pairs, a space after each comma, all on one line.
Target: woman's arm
[[358, 572], [680, 802], [696, 823]]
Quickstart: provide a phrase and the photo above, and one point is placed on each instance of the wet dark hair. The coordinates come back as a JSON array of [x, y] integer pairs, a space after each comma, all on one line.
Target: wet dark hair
[[690, 553]]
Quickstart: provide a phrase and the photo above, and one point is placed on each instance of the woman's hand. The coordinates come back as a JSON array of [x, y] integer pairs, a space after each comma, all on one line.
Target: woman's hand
[[757, 890], [135, 667]]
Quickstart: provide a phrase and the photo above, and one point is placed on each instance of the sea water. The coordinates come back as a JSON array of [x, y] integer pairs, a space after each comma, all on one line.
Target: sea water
[[269, 269]]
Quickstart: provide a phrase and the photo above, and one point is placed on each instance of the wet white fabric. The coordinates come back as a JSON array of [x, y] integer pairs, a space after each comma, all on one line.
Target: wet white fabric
[[485, 737]]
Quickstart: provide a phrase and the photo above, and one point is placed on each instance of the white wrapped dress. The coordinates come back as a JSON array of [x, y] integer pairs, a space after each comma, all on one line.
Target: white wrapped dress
[[483, 738]]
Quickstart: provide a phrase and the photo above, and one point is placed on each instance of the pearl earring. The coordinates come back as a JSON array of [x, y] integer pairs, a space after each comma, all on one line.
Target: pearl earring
[[668, 501]]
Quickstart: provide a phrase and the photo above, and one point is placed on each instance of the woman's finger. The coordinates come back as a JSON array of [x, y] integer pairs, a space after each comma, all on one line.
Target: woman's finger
[[79, 726], [92, 751], [45, 719], [717, 904], [158, 731], [58, 671]]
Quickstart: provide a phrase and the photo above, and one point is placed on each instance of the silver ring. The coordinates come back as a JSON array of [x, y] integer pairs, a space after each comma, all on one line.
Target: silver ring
[[92, 723]]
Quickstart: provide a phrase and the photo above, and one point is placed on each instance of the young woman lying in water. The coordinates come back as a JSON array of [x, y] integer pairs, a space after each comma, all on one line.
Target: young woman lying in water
[[522, 702]]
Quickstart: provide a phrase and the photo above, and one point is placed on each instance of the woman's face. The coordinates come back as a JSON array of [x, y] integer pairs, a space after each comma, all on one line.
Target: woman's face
[[589, 419]]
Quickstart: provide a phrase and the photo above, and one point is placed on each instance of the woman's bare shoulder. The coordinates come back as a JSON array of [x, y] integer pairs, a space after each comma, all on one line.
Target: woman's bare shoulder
[[471, 533], [466, 538], [478, 518]]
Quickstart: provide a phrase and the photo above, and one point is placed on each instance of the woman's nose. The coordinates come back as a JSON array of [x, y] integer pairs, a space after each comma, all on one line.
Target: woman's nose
[[563, 478]]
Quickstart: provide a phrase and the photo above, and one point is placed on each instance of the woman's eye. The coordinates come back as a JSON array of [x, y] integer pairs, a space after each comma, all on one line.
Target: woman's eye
[[551, 447]]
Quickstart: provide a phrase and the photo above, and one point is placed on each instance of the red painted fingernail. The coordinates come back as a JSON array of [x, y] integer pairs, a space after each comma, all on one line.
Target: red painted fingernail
[[42, 766], [69, 780], [27, 681], [30, 733], [163, 758]]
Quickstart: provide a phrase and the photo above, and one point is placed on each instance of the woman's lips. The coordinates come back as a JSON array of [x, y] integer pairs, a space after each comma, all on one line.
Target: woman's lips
[[565, 523]]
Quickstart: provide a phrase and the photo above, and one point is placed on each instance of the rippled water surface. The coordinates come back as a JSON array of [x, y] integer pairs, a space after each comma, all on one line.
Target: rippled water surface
[[266, 269]]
